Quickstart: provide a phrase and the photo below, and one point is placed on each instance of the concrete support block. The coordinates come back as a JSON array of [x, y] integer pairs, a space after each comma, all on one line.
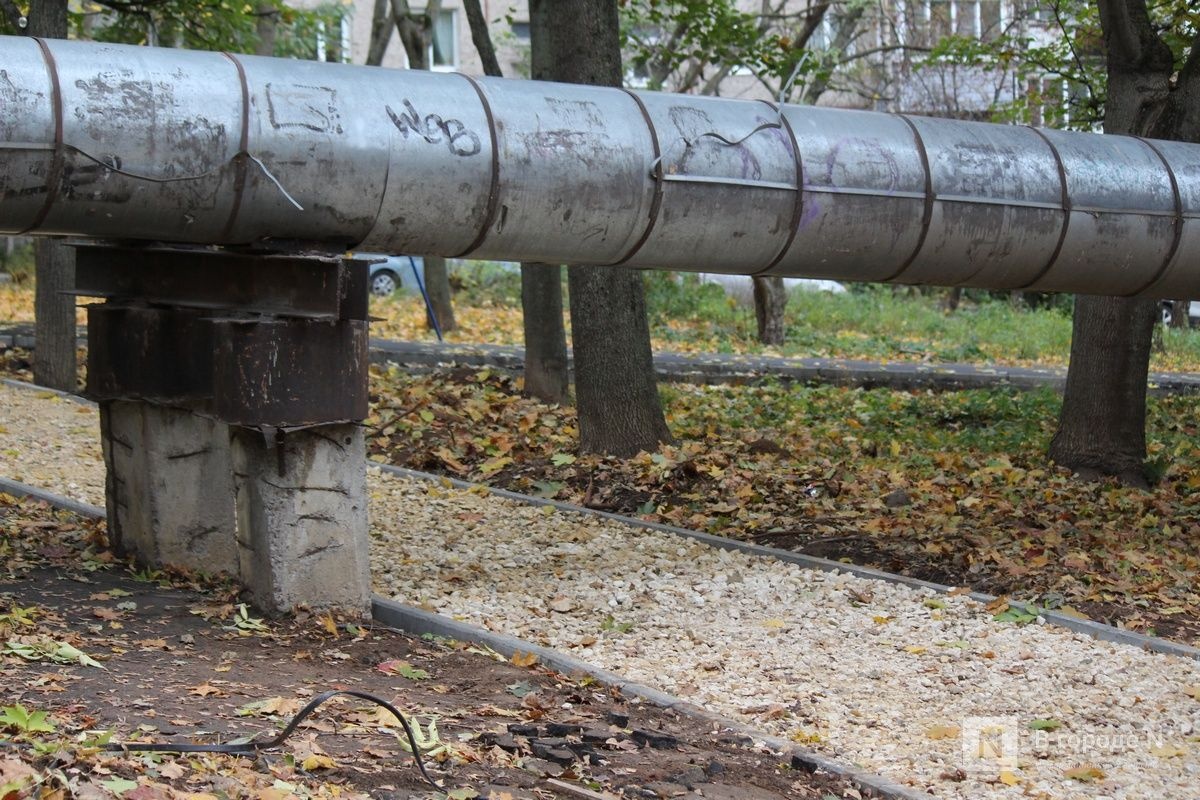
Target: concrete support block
[[302, 518], [169, 488]]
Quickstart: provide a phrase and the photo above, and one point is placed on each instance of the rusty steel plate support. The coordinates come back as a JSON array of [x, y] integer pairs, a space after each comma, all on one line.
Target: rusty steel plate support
[[231, 386]]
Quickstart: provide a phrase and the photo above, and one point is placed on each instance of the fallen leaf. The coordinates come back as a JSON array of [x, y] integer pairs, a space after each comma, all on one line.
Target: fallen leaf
[[1168, 751], [403, 669], [316, 762], [943, 732], [524, 659], [1085, 773]]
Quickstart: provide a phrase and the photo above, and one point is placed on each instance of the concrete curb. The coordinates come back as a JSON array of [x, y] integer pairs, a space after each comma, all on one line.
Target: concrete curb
[[18, 489], [418, 622], [728, 368], [716, 368], [1096, 630]]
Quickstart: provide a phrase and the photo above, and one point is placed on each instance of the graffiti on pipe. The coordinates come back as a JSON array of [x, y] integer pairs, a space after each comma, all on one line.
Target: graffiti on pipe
[[434, 129]]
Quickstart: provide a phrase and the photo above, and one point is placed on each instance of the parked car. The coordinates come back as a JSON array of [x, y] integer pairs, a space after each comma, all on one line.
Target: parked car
[[1167, 310], [741, 287], [389, 273]]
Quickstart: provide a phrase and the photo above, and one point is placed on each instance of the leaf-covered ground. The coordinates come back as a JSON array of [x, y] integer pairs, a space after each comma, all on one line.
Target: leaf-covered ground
[[92, 652], [953, 487]]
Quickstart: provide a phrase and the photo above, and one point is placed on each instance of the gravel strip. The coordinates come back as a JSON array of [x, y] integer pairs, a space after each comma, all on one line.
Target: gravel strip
[[897, 680]]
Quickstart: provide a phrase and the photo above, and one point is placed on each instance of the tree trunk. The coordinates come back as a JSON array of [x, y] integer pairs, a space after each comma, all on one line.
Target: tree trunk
[[437, 284], [482, 39], [1179, 314], [266, 27], [382, 25], [54, 312], [416, 34], [1102, 426], [1102, 430], [546, 376], [615, 391], [770, 301], [950, 300]]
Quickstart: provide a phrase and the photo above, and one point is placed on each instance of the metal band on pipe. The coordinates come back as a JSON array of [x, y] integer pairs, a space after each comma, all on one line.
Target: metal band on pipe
[[927, 214], [1174, 248], [54, 175], [239, 178], [798, 206], [493, 199], [1065, 207], [656, 176]]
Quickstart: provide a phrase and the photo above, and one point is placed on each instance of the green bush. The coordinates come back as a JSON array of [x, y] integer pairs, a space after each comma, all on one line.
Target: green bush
[[19, 264]]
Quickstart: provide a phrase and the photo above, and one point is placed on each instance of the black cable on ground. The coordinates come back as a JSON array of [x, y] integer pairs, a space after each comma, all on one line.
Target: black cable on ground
[[301, 715]]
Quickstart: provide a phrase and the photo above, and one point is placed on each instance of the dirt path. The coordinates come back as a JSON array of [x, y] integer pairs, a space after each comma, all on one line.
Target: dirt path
[[176, 663]]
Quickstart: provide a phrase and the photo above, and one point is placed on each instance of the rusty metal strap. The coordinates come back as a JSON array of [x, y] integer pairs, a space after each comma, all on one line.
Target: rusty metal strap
[[656, 174], [927, 215], [54, 175], [1065, 208], [1179, 217], [493, 199]]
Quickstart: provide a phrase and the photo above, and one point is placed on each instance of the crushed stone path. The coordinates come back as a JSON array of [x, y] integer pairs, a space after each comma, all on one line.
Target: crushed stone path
[[899, 681]]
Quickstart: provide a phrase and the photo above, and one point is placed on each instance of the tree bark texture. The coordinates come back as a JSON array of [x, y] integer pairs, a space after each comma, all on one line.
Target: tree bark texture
[[1179, 314], [770, 301], [546, 376], [382, 25], [53, 310], [482, 39], [616, 394], [266, 27], [437, 285], [620, 412], [1102, 426]]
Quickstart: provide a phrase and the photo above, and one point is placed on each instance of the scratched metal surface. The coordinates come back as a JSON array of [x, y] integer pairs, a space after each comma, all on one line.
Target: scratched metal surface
[[165, 145]]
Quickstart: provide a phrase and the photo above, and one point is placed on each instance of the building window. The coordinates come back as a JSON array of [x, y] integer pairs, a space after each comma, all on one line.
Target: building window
[[520, 31], [443, 49]]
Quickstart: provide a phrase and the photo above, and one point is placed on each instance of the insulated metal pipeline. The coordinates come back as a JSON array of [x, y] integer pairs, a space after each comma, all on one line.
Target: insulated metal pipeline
[[166, 145]]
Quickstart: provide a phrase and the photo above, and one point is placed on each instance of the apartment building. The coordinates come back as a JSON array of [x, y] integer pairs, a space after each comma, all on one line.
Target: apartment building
[[877, 51]]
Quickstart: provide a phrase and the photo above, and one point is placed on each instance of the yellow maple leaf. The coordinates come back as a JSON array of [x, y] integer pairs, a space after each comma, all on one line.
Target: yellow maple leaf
[[315, 762], [1008, 778], [1193, 691], [524, 659], [915, 649]]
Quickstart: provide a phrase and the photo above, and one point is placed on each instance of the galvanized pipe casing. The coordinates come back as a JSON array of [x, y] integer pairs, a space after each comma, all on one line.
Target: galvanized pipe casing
[[112, 141]]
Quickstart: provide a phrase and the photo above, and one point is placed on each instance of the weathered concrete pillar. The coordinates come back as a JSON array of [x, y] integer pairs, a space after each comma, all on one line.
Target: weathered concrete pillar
[[169, 488], [302, 518]]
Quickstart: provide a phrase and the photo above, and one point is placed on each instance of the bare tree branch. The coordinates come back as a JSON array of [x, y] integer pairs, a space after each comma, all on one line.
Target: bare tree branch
[[482, 38], [381, 33]]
